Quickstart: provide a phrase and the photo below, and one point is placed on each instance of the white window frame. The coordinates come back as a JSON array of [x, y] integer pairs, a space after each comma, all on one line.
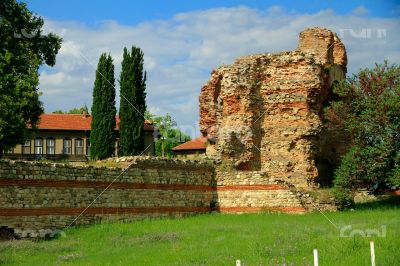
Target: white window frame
[[79, 150], [67, 149], [50, 149], [38, 146]]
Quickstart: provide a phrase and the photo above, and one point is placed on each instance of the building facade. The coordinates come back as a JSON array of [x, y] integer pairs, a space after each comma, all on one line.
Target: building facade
[[66, 137]]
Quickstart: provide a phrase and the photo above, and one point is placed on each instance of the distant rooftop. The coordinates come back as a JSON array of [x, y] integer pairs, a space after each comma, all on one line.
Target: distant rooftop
[[194, 144], [75, 122]]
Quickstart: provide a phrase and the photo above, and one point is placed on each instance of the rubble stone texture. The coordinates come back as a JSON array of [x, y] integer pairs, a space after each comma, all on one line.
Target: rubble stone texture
[[39, 199], [264, 112]]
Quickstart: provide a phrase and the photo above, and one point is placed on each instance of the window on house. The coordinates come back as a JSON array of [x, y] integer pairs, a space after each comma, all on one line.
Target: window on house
[[67, 149], [50, 146], [79, 146], [26, 147], [38, 146]]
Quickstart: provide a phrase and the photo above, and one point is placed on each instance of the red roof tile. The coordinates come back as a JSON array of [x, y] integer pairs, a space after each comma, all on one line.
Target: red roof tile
[[194, 144], [74, 122]]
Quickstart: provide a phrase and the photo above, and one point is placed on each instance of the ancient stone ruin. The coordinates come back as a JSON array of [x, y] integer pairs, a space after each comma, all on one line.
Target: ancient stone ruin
[[264, 112], [262, 116]]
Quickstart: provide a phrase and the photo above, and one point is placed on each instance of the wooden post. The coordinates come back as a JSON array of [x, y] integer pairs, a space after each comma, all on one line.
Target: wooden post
[[371, 244], [315, 257], [238, 263]]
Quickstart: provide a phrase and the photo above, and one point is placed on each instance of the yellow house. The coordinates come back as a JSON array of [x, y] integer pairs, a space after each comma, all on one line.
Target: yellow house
[[66, 137]]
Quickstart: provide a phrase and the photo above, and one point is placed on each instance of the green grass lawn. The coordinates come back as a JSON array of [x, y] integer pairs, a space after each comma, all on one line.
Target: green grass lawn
[[255, 239]]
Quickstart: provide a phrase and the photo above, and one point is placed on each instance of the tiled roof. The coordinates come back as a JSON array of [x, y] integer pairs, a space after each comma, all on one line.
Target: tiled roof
[[194, 144], [74, 122]]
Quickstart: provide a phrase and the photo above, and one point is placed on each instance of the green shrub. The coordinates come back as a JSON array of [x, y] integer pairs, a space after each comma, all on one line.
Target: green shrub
[[367, 110], [394, 179], [344, 197]]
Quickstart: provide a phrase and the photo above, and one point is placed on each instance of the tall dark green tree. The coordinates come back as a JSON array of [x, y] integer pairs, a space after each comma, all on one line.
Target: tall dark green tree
[[23, 48], [102, 135], [133, 102]]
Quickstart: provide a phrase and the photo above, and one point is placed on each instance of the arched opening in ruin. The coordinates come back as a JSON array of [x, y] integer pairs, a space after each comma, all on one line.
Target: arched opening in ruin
[[327, 156], [332, 96], [325, 172]]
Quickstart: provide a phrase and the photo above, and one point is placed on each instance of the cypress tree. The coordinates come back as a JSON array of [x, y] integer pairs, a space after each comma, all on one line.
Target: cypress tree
[[132, 103], [102, 135]]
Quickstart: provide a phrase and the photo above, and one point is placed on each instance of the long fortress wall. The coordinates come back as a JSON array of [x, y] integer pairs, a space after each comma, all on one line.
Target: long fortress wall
[[38, 198]]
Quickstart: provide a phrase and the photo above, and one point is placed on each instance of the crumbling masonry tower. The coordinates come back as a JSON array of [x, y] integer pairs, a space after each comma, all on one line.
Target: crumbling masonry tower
[[264, 112]]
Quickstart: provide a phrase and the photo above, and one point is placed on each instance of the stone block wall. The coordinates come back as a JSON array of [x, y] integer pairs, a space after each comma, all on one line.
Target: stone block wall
[[37, 198], [254, 191]]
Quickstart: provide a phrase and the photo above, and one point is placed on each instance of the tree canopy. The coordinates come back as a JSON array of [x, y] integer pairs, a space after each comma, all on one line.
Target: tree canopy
[[23, 48], [132, 102], [368, 109], [80, 110], [170, 135]]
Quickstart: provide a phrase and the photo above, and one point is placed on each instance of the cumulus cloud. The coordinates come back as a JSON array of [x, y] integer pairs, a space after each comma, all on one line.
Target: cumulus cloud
[[48, 80], [181, 52]]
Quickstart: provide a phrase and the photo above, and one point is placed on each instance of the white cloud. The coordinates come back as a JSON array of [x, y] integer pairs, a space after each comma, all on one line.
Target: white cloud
[[48, 80], [181, 52], [360, 11]]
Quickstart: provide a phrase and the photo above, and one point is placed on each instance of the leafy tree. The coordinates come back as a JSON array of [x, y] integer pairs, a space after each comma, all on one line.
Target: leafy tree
[[80, 110], [23, 48], [102, 135], [132, 103], [59, 112], [369, 111], [170, 135]]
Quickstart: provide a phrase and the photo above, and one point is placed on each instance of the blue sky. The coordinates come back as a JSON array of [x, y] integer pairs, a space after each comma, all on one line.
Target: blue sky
[[184, 40], [128, 12]]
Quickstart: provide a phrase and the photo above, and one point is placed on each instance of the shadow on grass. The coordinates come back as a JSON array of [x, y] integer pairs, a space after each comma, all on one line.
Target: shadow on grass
[[387, 202]]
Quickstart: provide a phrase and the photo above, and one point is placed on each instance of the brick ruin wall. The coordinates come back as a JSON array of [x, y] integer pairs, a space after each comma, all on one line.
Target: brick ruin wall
[[264, 111], [262, 118], [38, 198]]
